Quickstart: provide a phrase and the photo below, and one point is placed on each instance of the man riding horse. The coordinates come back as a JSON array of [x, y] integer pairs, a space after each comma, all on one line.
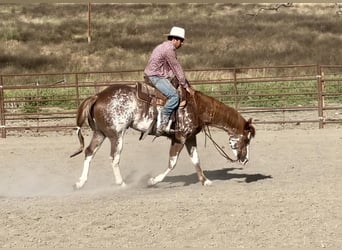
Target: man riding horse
[[161, 68], [119, 107]]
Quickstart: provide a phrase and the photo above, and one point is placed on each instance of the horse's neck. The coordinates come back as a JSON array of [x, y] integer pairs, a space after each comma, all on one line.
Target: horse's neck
[[215, 113]]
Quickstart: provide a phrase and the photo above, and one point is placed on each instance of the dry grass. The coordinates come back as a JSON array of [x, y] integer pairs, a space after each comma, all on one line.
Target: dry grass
[[53, 37]]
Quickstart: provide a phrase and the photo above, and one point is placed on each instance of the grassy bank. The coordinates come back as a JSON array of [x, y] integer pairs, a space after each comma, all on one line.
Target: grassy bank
[[53, 37]]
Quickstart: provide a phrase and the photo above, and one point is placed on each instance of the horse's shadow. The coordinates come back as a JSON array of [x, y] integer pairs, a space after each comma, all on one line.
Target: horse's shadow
[[220, 174]]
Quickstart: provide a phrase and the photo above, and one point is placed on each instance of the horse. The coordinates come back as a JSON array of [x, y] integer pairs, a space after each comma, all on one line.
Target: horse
[[111, 112]]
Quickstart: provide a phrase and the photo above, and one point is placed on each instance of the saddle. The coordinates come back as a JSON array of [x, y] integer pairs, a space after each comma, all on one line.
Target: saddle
[[150, 95]]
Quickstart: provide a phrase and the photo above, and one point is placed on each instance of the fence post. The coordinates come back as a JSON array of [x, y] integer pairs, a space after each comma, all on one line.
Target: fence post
[[2, 110], [77, 90], [236, 90], [320, 96]]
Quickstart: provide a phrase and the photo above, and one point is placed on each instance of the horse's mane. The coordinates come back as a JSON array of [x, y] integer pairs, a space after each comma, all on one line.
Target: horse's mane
[[216, 113]]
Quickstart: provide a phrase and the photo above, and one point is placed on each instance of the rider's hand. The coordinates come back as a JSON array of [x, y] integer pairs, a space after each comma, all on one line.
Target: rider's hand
[[190, 90]]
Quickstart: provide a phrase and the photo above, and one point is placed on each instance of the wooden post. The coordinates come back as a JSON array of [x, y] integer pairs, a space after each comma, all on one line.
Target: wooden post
[[2, 110], [89, 22], [236, 92], [77, 90], [320, 96]]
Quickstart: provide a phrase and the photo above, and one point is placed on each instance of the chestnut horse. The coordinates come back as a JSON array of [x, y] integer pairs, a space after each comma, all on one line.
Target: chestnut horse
[[115, 109]]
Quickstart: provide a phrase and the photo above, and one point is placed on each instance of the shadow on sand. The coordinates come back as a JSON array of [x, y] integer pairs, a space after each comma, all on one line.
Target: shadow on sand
[[221, 174]]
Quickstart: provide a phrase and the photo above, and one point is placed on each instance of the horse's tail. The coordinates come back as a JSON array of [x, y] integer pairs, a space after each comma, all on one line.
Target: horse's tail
[[83, 113]]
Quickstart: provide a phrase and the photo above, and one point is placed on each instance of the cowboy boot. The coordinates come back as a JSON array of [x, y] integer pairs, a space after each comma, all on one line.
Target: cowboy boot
[[163, 127]]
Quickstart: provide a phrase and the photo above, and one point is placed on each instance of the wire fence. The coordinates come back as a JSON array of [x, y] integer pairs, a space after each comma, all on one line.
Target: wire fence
[[278, 95]]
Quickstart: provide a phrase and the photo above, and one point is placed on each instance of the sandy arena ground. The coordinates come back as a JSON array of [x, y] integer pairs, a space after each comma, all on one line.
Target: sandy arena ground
[[289, 195]]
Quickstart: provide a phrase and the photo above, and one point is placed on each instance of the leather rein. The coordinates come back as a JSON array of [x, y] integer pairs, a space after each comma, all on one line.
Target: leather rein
[[217, 147]]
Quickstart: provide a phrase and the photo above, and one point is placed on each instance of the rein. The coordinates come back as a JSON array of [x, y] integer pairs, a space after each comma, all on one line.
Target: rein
[[217, 147]]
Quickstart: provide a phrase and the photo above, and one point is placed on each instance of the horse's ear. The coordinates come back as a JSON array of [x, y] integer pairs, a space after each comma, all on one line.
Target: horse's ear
[[250, 128], [248, 124]]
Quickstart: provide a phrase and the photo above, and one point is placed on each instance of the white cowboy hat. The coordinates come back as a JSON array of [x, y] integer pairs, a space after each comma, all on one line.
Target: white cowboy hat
[[177, 32]]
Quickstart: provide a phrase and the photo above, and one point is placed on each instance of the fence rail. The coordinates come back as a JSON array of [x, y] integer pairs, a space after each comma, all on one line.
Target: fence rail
[[292, 94]]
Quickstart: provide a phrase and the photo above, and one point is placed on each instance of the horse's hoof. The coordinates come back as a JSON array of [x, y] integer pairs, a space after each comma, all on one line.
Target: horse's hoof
[[207, 182], [151, 182], [76, 187], [123, 184]]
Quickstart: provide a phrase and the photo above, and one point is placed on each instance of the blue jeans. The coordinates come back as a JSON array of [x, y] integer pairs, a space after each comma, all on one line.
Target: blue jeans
[[166, 87]]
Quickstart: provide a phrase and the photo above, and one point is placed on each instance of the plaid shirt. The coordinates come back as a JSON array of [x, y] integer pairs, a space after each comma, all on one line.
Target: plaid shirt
[[163, 63]]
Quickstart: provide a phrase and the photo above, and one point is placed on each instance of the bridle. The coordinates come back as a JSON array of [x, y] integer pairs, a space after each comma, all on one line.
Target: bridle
[[217, 147]]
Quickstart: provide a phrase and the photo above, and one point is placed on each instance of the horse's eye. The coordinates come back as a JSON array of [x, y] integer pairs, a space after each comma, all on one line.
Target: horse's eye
[[233, 143]]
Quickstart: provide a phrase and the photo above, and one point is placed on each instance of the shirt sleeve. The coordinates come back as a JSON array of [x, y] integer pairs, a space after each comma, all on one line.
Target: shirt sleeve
[[176, 68]]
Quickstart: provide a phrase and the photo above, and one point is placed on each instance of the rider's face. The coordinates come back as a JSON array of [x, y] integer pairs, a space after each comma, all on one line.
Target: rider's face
[[178, 42]]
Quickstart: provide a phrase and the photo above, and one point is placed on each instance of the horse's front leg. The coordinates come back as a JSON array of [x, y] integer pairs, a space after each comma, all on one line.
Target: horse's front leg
[[175, 149], [116, 148], [191, 146]]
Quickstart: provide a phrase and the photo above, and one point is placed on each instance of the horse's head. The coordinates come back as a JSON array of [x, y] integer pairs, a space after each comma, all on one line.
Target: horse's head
[[239, 142]]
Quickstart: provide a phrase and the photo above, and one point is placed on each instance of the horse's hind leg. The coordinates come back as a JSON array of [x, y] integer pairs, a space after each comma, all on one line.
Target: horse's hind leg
[[175, 149], [89, 152], [116, 142], [191, 146]]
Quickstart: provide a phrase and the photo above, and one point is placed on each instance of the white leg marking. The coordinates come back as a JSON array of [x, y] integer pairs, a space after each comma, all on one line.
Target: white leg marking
[[173, 161], [84, 175], [207, 182], [116, 170], [115, 164], [196, 161], [152, 181], [194, 156]]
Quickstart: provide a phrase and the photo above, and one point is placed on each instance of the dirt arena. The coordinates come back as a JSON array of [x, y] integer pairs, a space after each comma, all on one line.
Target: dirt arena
[[289, 195]]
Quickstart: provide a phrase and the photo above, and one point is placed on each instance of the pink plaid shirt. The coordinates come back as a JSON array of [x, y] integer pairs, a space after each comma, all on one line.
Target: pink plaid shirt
[[163, 63]]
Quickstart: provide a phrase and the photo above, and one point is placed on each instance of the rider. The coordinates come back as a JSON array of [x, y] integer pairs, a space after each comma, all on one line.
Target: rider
[[161, 68]]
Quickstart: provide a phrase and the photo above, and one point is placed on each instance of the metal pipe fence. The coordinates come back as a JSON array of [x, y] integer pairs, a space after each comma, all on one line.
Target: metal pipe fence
[[293, 94]]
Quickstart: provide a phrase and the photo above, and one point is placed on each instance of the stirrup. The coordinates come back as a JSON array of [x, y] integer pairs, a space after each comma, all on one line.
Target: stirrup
[[166, 132], [162, 129], [170, 132]]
